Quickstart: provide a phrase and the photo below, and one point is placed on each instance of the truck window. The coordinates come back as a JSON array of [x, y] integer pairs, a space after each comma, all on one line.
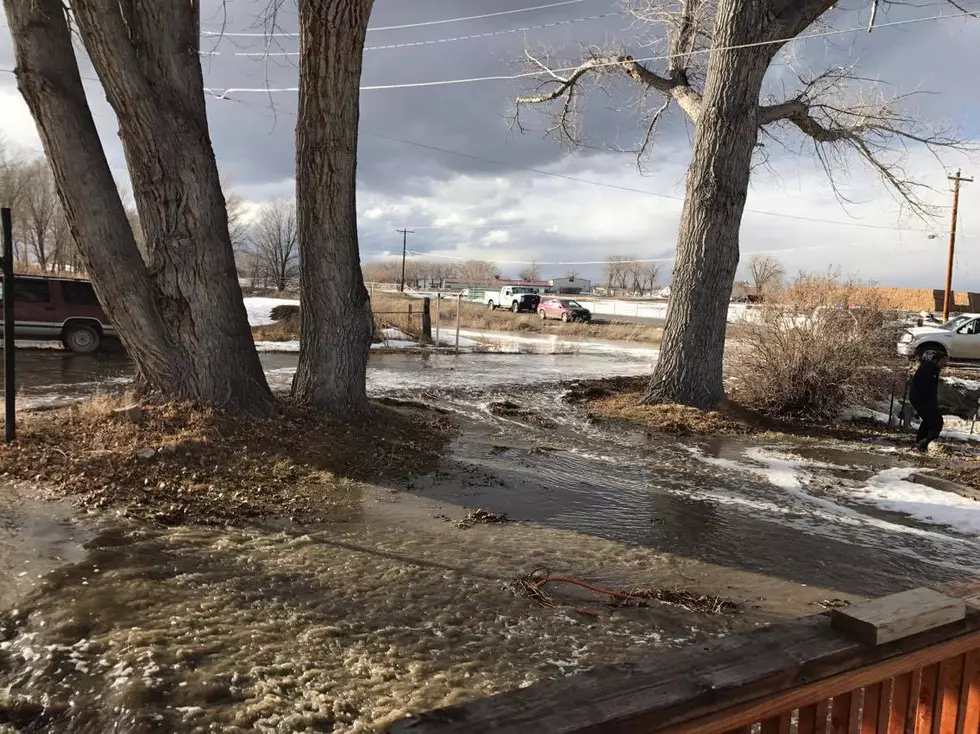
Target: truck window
[[79, 293], [28, 290]]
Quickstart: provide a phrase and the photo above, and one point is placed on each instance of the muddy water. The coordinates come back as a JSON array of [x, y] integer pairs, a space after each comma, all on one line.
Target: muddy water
[[347, 627]]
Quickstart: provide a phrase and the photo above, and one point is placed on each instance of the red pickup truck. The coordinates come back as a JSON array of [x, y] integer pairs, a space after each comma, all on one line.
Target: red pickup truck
[[59, 308]]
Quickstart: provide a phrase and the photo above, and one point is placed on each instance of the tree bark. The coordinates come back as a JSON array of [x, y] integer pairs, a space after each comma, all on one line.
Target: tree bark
[[335, 320], [689, 370], [180, 313]]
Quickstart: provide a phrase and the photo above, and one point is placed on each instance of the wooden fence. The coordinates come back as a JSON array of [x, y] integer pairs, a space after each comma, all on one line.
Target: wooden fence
[[906, 663]]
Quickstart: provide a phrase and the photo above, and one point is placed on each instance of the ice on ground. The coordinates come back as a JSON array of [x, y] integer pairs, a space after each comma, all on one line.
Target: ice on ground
[[890, 490], [259, 310], [285, 347]]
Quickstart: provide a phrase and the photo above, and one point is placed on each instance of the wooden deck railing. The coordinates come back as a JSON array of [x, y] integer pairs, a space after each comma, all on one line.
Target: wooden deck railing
[[907, 663]]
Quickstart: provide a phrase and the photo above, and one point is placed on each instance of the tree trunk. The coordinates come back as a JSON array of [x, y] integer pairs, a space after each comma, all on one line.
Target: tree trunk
[[690, 367], [180, 314], [335, 320]]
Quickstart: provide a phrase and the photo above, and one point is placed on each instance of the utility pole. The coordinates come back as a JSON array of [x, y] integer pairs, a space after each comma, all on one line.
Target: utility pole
[[405, 234], [957, 179]]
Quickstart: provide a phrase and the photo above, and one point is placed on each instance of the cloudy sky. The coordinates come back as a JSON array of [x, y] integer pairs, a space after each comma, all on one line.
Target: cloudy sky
[[445, 161]]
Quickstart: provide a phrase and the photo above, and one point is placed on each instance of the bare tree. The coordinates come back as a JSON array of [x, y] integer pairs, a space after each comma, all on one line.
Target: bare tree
[[180, 314], [650, 272], [336, 328], [766, 273], [476, 271], [274, 239], [617, 272], [530, 273], [717, 56], [571, 273]]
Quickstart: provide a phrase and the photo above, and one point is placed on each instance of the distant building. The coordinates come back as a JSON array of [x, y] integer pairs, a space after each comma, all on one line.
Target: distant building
[[570, 286]]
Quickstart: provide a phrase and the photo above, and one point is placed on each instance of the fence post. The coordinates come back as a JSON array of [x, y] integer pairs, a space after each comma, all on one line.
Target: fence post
[[9, 386], [438, 304], [427, 320], [459, 301]]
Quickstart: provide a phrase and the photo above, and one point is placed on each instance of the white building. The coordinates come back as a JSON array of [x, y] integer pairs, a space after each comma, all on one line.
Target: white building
[[570, 286]]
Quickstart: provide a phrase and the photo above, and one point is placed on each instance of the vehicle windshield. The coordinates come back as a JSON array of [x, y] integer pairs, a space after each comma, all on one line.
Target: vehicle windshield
[[570, 304], [955, 323]]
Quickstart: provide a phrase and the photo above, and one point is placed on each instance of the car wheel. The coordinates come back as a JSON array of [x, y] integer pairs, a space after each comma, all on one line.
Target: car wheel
[[514, 307], [82, 339], [564, 317], [543, 315], [931, 347], [490, 305]]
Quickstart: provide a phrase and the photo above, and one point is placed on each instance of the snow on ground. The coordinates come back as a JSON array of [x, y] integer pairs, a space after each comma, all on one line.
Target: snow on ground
[[962, 382], [511, 343], [645, 309], [890, 490], [260, 309], [954, 427]]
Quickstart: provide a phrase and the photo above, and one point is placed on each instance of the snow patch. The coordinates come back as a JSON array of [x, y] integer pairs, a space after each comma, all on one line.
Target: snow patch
[[259, 310]]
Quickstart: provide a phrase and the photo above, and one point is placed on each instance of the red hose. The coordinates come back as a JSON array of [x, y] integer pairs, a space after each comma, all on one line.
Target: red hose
[[590, 587]]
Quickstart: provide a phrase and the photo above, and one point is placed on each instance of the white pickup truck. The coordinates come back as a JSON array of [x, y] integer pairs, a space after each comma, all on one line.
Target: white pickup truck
[[514, 297]]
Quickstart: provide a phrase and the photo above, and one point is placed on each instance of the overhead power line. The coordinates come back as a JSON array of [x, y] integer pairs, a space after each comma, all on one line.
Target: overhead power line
[[404, 26], [529, 74], [630, 189], [436, 41], [605, 262]]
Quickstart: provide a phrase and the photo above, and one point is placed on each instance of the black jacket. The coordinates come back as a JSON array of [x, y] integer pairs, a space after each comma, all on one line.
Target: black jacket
[[924, 387]]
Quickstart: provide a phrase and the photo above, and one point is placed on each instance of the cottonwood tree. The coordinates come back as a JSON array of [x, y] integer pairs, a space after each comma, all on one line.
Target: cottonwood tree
[[530, 273], [836, 111], [41, 218], [336, 324], [476, 271], [766, 273], [274, 240], [179, 313]]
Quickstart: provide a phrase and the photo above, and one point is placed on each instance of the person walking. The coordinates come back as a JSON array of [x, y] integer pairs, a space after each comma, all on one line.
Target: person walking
[[924, 396]]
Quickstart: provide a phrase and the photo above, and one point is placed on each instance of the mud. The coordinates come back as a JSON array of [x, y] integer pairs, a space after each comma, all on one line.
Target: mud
[[349, 626], [342, 629]]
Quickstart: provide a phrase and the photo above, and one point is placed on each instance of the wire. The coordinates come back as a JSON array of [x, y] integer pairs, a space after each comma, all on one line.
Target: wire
[[440, 40], [605, 262], [528, 74], [618, 187], [405, 26]]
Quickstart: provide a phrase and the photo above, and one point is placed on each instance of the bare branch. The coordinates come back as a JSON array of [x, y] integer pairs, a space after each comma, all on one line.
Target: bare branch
[[839, 116]]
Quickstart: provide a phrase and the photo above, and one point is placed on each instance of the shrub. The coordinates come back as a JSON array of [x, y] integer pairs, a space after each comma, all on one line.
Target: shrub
[[815, 352]]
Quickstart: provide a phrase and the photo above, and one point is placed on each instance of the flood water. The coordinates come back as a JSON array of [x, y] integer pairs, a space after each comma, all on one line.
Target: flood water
[[347, 627]]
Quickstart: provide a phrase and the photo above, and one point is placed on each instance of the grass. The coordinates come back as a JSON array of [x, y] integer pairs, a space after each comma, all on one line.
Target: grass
[[678, 420], [178, 463]]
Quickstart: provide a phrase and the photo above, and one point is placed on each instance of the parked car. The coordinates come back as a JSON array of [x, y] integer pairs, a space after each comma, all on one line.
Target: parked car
[[958, 338], [563, 308], [513, 297], [59, 308]]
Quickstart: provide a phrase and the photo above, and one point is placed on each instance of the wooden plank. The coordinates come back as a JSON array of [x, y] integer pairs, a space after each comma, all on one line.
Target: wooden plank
[[948, 695], [823, 718], [899, 615], [869, 709], [807, 722], [901, 697], [844, 713], [927, 699], [715, 686], [885, 705], [740, 730], [777, 724], [969, 718]]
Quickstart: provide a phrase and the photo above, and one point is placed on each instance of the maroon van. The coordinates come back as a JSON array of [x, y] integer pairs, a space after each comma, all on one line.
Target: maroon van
[[59, 308]]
